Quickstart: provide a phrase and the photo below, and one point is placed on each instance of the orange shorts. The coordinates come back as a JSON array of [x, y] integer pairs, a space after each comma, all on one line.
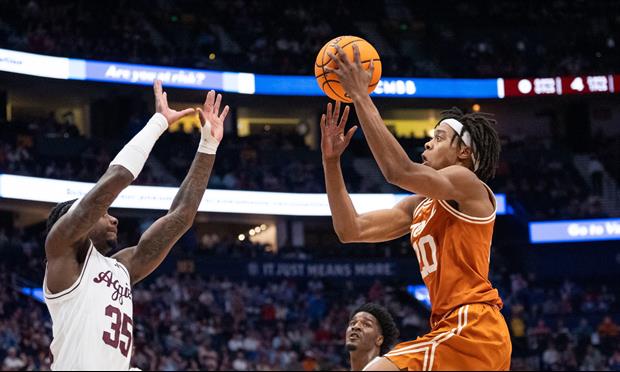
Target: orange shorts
[[472, 337]]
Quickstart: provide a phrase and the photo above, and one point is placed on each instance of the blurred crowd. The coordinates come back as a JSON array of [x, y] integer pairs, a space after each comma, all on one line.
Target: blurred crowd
[[540, 174], [414, 39], [195, 321], [563, 327]]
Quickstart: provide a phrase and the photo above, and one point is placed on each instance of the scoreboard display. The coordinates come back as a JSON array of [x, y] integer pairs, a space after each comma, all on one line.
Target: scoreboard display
[[557, 86]]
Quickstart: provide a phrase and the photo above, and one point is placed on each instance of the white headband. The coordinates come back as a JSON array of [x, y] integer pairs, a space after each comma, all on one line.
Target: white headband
[[466, 137]]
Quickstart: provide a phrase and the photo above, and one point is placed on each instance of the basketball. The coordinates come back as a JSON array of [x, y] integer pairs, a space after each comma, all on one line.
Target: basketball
[[328, 81]]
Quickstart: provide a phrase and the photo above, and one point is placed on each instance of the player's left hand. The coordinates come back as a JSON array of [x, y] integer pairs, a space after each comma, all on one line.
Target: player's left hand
[[210, 117], [353, 77]]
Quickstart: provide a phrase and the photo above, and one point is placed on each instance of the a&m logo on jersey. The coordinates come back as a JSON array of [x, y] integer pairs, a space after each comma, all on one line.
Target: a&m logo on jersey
[[120, 291]]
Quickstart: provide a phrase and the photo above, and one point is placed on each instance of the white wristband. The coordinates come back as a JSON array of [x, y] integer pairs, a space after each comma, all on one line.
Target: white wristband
[[208, 143], [133, 156]]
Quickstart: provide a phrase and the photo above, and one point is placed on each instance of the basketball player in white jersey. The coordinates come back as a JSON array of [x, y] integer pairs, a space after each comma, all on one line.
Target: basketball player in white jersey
[[89, 294]]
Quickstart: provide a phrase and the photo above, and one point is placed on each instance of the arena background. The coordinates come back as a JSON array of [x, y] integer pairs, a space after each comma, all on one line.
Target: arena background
[[261, 281]]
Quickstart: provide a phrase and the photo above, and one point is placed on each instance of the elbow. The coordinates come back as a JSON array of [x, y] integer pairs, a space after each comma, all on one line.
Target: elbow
[[392, 176], [184, 213], [344, 239], [402, 175], [181, 219], [120, 172], [392, 172], [346, 236]]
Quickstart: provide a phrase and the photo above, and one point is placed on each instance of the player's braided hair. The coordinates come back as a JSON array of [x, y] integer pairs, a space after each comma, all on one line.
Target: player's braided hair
[[386, 322], [484, 137], [58, 211]]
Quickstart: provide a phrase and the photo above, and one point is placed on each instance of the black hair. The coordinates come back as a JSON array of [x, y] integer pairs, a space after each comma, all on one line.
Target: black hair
[[386, 323], [484, 138], [58, 211]]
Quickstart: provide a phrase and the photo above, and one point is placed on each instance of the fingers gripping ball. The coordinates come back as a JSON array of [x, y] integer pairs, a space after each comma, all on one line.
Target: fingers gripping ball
[[328, 81]]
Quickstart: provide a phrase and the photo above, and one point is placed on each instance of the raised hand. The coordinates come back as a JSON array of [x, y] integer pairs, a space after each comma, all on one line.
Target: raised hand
[[209, 115], [333, 139], [353, 77], [212, 123], [161, 105]]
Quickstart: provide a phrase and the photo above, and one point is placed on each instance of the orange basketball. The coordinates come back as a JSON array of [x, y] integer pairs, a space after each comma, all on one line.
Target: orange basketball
[[328, 81]]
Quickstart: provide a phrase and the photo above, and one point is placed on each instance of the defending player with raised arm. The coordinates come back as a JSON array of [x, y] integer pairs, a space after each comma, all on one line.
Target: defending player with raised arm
[[450, 220], [89, 294]]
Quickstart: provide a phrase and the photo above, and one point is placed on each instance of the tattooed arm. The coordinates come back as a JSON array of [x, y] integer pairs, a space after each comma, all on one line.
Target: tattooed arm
[[158, 239], [70, 232]]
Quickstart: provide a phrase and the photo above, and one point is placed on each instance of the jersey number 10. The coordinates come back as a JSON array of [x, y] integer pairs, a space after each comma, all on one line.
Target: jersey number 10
[[420, 247], [120, 325]]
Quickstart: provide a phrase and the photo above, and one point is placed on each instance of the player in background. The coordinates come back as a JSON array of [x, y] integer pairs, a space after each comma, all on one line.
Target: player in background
[[89, 294], [370, 334], [450, 219]]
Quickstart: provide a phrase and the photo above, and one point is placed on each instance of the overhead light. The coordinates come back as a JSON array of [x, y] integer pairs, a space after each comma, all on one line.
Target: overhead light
[[257, 230], [252, 232], [241, 237], [476, 107], [263, 227]]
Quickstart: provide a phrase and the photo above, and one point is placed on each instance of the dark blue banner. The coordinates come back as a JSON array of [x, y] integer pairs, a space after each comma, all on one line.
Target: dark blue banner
[[295, 269]]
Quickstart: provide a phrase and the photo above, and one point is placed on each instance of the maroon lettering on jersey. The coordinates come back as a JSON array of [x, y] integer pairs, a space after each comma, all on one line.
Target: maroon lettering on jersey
[[120, 291]]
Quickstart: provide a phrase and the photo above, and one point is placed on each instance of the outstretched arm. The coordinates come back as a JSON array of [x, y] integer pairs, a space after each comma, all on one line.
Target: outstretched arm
[[376, 226], [71, 230], [158, 239], [451, 183]]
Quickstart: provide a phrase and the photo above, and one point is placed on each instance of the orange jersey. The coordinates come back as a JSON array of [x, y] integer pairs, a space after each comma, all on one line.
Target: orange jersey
[[453, 251]]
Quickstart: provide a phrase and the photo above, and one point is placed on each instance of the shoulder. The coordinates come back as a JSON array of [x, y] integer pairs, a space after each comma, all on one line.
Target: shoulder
[[459, 174], [465, 182]]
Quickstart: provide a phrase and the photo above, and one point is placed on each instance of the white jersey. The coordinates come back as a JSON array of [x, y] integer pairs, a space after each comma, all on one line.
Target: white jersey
[[92, 319]]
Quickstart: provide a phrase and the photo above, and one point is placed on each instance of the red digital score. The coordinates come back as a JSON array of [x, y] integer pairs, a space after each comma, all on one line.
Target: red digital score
[[557, 86]]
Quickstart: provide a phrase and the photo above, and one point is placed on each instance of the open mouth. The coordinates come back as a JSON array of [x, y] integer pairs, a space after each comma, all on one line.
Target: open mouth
[[354, 336]]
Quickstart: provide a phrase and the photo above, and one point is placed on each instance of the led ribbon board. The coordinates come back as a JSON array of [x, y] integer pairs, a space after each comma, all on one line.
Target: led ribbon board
[[575, 231], [294, 85]]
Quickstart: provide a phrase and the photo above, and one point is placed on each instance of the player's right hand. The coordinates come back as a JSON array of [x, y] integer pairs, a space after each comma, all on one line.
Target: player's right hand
[[161, 105], [333, 139]]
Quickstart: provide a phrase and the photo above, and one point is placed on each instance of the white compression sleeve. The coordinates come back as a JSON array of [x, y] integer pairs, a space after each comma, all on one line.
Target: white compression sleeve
[[133, 156]]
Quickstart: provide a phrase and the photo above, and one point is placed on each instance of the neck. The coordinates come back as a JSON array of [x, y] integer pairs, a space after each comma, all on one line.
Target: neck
[[360, 359]]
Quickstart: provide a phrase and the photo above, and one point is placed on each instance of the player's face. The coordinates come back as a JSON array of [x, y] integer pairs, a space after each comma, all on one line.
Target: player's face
[[440, 152], [363, 333], [104, 233]]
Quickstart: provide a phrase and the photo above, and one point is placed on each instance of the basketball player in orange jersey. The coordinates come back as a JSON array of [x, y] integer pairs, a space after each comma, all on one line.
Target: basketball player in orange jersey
[[88, 293], [371, 333], [450, 219]]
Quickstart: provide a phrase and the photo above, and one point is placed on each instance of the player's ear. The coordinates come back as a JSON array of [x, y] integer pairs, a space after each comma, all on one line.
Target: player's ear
[[379, 341], [464, 152]]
